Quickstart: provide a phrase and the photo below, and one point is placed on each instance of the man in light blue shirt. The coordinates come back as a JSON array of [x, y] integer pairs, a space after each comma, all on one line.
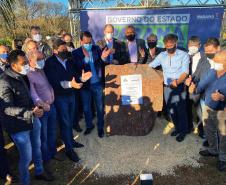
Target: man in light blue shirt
[[175, 65]]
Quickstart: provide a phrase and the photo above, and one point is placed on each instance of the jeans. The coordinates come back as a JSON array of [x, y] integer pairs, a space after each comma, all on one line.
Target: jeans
[[65, 106], [4, 167], [48, 134], [176, 103], [96, 91], [29, 146]]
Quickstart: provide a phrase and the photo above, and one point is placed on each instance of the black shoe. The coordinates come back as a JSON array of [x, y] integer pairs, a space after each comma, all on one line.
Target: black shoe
[[101, 132], [206, 153], [202, 135], [72, 155], [205, 143], [181, 137], [88, 130], [168, 118], [77, 145], [221, 166], [174, 133], [12, 178], [77, 128], [45, 176]]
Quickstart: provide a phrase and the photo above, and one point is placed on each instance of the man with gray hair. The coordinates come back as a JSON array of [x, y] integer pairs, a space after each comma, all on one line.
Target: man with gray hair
[[214, 116], [36, 36]]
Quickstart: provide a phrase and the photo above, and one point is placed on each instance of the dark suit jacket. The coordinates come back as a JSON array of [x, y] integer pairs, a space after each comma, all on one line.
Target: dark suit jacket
[[141, 43], [79, 60], [157, 51], [119, 54]]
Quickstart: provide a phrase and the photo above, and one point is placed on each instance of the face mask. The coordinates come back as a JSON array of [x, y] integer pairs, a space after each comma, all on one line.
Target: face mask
[[210, 55], [88, 47], [171, 50], [19, 47], [109, 36], [63, 54], [69, 44], [193, 49], [4, 56], [24, 69], [40, 64], [218, 67], [130, 37], [152, 44], [37, 37]]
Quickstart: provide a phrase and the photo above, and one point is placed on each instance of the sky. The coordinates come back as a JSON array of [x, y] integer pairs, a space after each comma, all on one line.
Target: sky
[[175, 2]]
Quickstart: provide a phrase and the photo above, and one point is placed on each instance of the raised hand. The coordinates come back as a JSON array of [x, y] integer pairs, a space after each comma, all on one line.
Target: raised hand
[[38, 112], [192, 88], [141, 51], [217, 96], [46, 106], [75, 85], [174, 83], [105, 52], [188, 81], [86, 76], [85, 52]]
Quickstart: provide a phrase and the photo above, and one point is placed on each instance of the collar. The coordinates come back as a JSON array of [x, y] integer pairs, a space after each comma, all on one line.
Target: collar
[[131, 42], [62, 61], [176, 53], [107, 40], [13, 72], [193, 54]]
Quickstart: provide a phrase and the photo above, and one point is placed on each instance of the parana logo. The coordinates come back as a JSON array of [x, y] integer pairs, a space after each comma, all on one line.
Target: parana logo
[[208, 16]]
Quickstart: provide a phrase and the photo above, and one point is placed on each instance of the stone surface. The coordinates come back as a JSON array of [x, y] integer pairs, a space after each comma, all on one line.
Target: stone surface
[[132, 120]]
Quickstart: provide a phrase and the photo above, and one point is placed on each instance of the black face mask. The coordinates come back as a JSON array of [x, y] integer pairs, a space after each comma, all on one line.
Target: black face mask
[[19, 47], [130, 37], [210, 55], [63, 54], [69, 44], [152, 44], [172, 50]]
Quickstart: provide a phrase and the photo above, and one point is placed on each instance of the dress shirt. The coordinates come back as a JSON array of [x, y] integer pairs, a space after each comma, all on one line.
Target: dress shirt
[[173, 67], [109, 45], [195, 61], [132, 46], [40, 87], [210, 83]]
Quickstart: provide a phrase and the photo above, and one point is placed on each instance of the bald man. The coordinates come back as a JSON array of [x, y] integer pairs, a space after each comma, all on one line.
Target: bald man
[[42, 93], [30, 46], [3, 58], [117, 54]]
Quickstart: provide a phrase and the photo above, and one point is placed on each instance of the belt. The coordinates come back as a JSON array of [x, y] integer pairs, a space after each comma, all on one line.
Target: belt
[[164, 85]]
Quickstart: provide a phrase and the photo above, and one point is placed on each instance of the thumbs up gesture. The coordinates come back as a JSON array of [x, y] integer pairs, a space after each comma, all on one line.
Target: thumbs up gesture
[[188, 81], [192, 88], [37, 111], [174, 83], [46, 106], [75, 85], [217, 96]]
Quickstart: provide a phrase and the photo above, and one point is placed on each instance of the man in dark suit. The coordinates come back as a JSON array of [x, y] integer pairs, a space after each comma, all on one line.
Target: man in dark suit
[[61, 73], [88, 58], [117, 52], [135, 48]]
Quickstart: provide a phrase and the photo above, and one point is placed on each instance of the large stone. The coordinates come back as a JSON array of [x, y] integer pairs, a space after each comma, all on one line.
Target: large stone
[[138, 119]]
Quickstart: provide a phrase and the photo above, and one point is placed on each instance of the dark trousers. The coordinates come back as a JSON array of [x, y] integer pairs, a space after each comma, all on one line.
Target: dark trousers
[[77, 107], [4, 167], [190, 101], [176, 103]]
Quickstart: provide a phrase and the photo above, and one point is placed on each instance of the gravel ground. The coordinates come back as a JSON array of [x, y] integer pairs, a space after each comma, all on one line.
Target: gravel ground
[[158, 152]]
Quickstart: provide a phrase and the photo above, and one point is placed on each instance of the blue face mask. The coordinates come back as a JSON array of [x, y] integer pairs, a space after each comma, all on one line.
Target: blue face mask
[[4, 56], [88, 47]]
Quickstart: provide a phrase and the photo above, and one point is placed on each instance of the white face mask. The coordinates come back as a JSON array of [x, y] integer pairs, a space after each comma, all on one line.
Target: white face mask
[[40, 64], [218, 67], [37, 37], [193, 49], [25, 69], [109, 36]]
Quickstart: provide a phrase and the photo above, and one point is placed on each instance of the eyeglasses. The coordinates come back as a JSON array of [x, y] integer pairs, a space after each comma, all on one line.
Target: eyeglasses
[[170, 61]]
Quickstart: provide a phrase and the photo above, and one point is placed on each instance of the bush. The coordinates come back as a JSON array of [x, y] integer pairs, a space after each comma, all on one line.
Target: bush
[[6, 42]]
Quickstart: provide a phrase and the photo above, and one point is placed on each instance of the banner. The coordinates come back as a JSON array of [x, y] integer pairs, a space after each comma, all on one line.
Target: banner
[[186, 22]]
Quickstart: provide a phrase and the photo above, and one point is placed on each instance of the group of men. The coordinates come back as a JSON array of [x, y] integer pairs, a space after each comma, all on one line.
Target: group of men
[[43, 83]]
